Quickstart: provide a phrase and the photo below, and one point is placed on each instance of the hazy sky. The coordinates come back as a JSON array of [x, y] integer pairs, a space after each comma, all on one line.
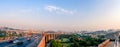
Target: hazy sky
[[60, 14]]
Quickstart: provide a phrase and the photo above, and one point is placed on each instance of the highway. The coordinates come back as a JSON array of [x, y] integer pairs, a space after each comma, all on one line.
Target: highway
[[116, 44], [111, 44], [26, 43]]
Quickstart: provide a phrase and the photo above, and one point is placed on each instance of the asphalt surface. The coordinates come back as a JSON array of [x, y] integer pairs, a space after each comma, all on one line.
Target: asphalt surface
[[111, 44], [25, 42]]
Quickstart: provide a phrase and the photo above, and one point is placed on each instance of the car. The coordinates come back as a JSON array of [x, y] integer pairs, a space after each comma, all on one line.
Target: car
[[36, 37], [28, 39], [18, 42], [10, 41]]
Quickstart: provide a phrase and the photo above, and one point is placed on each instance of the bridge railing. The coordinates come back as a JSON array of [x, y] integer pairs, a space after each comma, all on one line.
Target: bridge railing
[[103, 44], [42, 42]]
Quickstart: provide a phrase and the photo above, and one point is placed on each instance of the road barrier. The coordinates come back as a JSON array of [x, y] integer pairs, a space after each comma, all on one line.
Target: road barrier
[[42, 42], [103, 44]]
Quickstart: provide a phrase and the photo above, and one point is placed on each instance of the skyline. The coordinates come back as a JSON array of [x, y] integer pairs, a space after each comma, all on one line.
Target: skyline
[[61, 15]]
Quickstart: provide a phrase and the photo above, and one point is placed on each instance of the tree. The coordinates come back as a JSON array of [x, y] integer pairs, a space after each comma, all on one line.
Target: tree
[[55, 44]]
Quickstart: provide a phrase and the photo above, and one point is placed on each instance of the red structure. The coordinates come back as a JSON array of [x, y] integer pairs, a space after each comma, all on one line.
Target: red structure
[[30, 32], [42, 42], [46, 37]]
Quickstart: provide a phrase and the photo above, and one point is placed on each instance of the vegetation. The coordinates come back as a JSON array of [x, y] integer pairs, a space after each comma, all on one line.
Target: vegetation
[[9, 35], [2, 33], [55, 44], [76, 41]]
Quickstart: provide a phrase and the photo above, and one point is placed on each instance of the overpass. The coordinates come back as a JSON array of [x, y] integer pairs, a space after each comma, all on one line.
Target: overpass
[[46, 37]]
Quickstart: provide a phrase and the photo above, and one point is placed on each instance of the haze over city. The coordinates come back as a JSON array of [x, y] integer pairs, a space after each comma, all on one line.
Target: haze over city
[[60, 15], [59, 23]]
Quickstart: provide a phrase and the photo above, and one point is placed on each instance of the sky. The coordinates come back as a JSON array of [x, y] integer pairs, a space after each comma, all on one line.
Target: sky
[[67, 15]]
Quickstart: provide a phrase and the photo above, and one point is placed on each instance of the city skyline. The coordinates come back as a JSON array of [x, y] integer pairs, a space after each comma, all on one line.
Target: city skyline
[[61, 15]]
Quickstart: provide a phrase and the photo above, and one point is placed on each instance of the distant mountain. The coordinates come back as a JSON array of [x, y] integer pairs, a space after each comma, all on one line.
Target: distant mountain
[[8, 28], [100, 32]]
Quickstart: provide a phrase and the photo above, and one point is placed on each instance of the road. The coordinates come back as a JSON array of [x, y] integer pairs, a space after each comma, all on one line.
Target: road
[[3, 44], [36, 42], [25, 42], [116, 44], [111, 44]]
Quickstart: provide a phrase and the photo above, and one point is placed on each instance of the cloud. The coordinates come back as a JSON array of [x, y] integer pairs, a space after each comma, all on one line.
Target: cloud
[[56, 9]]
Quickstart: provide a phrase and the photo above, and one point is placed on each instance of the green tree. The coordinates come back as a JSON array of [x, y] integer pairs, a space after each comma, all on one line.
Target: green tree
[[55, 44]]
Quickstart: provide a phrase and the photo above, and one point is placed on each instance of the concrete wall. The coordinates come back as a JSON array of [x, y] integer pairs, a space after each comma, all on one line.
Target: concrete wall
[[46, 38], [42, 42], [104, 43]]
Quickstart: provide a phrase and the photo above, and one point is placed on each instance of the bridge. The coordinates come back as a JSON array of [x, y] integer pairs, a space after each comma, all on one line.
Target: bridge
[[46, 37], [37, 39]]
